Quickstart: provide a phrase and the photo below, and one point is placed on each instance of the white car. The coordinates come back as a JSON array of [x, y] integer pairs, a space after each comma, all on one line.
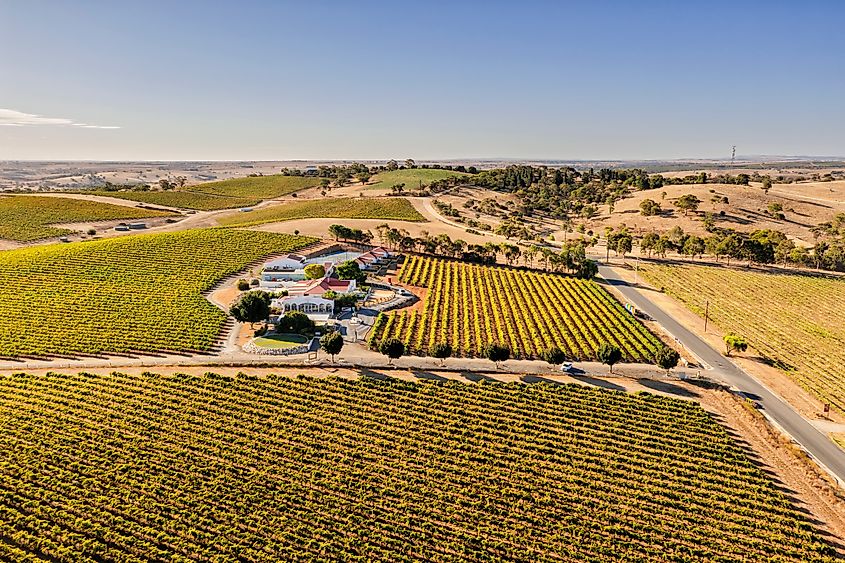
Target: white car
[[566, 366]]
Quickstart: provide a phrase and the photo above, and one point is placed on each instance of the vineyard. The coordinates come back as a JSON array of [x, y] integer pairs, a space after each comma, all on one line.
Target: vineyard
[[469, 306], [29, 218], [123, 294], [797, 321], [224, 194], [181, 468], [256, 187], [395, 208], [181, 199], [411, 177]]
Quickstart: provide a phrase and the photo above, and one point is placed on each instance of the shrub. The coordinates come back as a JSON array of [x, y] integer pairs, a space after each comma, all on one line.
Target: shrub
[[243, 285]]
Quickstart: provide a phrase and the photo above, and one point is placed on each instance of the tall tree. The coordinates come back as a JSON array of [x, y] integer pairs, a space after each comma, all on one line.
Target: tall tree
[[687, 202], [441, 351], [609, 354], [332, 343], [393, 348], [497, 353], [667, 358]]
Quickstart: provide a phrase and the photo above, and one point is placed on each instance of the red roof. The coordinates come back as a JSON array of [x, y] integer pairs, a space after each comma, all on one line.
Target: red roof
[[319, 287]]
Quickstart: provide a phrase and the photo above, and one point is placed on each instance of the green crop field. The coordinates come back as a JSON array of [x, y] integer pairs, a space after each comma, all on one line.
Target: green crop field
[[117, 295], [411, 177], [797, 321], [256, 187], [181, 199], [395, 208], [25, 218], [180, 468], [225, 194], [469, 306]]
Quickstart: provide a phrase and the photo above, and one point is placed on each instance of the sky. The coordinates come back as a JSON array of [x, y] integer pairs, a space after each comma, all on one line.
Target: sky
[[274, 80]]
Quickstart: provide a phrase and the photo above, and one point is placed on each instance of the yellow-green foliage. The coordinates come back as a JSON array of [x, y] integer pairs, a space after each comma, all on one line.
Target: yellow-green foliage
[[797, 321], [225, 194], [411, 177], [182, 199], [25, 218], [129, 293], [395, 208], [256, 187], [470, 306], [211, 468]]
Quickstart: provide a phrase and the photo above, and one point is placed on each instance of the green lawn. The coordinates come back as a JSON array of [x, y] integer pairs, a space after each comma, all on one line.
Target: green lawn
[[395, 208], [411, 178], [285, 340]]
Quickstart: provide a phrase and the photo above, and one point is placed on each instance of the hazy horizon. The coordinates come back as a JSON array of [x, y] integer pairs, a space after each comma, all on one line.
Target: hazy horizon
[[273, 81]]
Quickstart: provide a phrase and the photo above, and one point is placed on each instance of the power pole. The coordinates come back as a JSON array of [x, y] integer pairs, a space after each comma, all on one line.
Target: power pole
[[706, 314], [733, 155]]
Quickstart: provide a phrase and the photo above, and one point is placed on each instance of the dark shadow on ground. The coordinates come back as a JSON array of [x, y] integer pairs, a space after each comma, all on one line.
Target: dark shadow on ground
[[538, 379], [666, 387], [421, 374], [476, 377], [598, 382], [368, 373]]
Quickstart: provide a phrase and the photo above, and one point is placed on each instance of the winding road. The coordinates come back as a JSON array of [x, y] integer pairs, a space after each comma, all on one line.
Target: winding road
[[818, 446]]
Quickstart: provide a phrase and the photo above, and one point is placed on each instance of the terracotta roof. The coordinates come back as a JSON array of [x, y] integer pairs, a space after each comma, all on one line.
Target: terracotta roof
[[319, 287]]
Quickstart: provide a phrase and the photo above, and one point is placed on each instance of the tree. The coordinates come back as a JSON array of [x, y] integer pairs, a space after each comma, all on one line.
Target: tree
[[496, 353], [441, 351], [409, 163], [648, 242], [649, 207], [588, 269], [609, 354], [363, 177], [554, 355], [667, 358], [734, 343], [620, 242], [295, 321], [332, 343], [393, 348], [767, 184], [251, 307], [350, 270], [314, 271], [693, 246], [687, 202]]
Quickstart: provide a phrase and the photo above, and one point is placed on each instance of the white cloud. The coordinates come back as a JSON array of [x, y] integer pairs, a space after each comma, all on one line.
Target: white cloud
[[20, 119]]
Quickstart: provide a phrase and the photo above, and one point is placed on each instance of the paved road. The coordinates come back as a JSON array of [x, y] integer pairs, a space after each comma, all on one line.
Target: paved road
[[814, 442]]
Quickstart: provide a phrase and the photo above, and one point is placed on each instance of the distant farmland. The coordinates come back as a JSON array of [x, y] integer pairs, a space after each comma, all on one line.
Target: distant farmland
[[333, 208], [31, 218], [225, 194], [411, 177], [178, 468]]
